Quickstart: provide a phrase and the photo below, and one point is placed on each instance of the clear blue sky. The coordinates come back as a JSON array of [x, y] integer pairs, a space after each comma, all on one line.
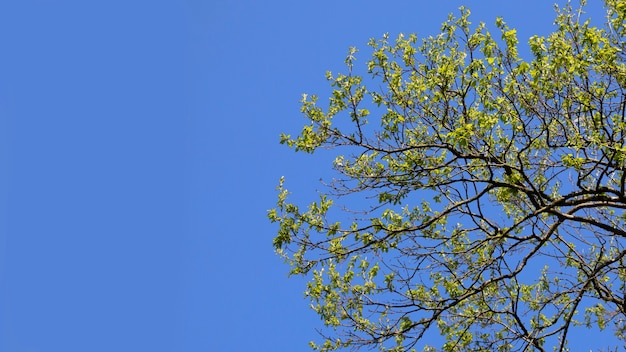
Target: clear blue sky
[[139, 154]]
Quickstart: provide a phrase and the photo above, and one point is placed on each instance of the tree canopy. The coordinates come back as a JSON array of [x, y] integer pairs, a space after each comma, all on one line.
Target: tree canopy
[[483, 193]]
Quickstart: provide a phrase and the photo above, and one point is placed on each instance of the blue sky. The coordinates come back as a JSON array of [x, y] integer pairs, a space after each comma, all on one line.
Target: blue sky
[[139, 154]]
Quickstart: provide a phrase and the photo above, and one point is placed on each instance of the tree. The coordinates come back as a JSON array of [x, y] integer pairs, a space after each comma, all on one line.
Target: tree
[[483, 194]]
